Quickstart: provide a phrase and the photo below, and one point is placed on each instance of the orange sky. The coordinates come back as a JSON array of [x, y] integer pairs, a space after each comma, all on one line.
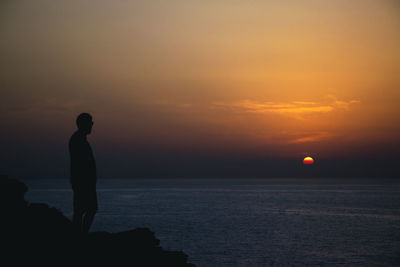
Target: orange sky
[[280, 78]]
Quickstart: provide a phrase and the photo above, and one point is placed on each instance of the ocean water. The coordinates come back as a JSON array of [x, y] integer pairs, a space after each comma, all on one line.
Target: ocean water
[[254, 222]]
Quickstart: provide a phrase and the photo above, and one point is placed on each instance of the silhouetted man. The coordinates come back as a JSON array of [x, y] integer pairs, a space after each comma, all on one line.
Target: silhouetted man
[[83, 174]]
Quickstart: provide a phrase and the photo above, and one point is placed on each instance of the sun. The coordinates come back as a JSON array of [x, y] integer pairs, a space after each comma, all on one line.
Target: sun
[[308, 160]]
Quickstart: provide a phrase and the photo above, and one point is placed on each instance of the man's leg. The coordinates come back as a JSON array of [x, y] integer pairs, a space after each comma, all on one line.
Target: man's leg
[[88, 220], [77, 220]]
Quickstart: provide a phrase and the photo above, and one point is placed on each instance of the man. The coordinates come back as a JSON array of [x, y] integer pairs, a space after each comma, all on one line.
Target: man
[[83, 175]]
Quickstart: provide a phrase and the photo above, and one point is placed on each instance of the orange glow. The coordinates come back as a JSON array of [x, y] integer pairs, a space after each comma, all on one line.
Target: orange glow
[[252, 77], [308, 160]]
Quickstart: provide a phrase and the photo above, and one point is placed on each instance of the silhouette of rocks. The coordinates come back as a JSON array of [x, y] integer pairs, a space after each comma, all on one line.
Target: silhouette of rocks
[[39, 234]]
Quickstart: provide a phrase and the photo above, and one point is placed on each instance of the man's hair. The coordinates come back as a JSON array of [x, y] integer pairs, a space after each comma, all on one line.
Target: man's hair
[[83, 119]]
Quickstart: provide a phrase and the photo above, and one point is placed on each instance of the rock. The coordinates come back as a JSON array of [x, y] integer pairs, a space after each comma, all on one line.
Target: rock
[[39, 234]]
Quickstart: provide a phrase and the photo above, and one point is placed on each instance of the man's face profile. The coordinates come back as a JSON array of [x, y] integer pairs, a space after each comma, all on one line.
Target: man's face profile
[[89, 126]]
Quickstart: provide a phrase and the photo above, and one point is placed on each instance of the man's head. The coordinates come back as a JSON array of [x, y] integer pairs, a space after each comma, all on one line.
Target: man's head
[[84, 123]]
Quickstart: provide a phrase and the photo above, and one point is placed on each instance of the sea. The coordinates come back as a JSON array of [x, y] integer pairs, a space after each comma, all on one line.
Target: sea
[[251, 222]]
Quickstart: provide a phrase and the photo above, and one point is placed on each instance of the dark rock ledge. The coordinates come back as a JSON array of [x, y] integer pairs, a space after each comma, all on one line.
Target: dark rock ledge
[[34, 233]]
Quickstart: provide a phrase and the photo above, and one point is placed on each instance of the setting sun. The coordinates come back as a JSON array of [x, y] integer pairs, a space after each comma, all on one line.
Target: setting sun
[[308, 160]]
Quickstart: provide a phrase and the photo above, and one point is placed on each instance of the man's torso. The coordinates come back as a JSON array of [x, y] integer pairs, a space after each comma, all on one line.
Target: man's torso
[[83, 165]]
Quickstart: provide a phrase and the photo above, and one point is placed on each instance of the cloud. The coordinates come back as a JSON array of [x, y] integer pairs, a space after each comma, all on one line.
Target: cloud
[[315, 137], [342, 104], [293, 107]]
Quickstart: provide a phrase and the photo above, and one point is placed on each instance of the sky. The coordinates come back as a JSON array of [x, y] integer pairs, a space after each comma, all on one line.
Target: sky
[[202, 88]]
